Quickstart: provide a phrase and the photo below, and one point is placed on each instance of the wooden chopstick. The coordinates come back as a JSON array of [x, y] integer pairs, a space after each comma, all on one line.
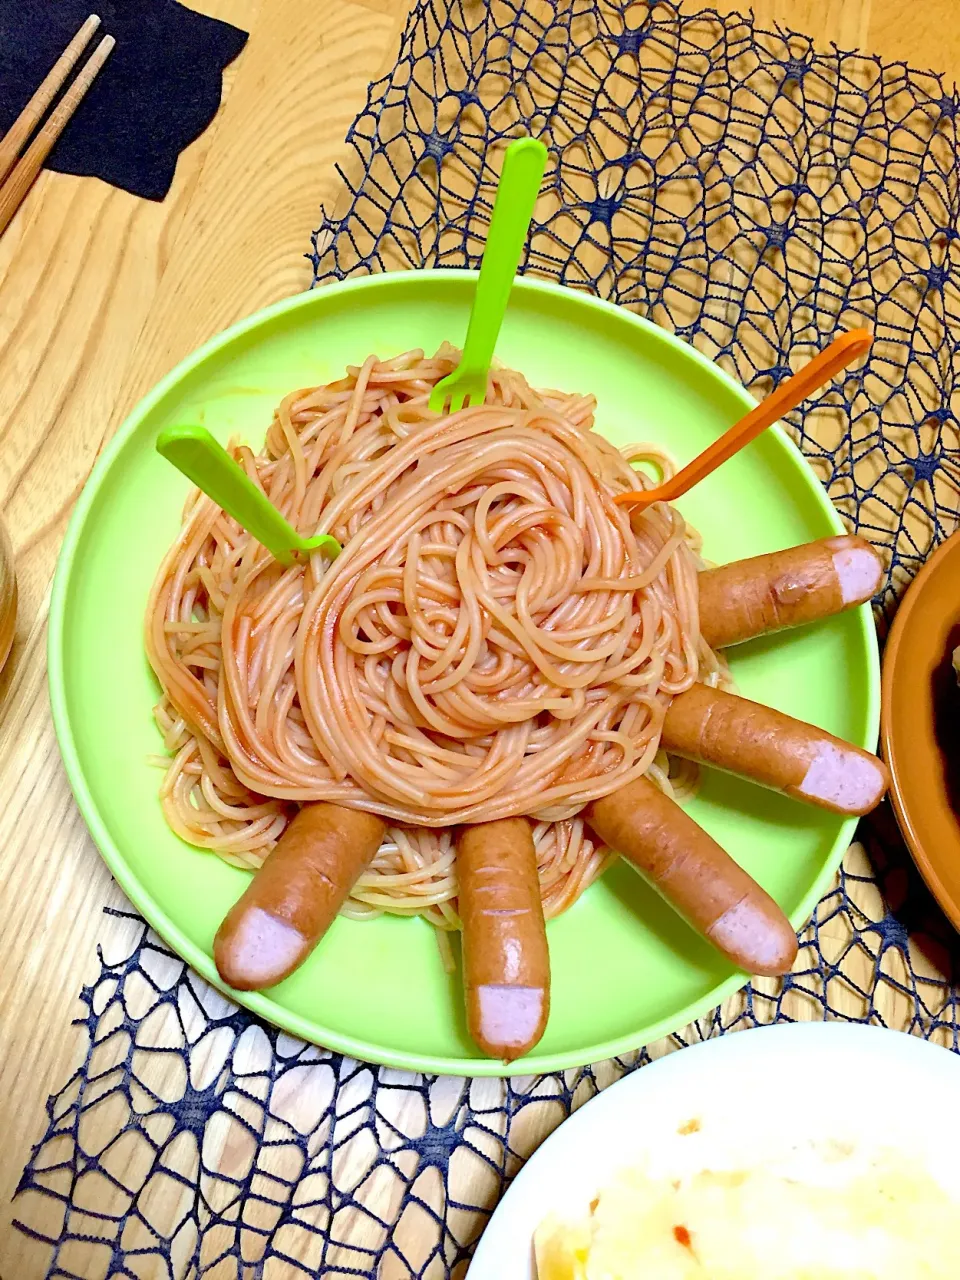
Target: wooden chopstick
[[15, 186], [33, 112]]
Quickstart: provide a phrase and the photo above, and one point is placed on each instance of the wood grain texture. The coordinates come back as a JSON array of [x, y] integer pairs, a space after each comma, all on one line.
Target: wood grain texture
[[102, 294]]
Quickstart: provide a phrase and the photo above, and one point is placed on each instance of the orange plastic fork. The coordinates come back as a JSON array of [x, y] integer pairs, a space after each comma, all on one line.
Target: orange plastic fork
[[841, 352]]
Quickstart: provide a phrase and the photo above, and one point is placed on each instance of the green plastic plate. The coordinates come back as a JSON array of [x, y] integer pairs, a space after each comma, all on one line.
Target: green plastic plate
[[626, 970]]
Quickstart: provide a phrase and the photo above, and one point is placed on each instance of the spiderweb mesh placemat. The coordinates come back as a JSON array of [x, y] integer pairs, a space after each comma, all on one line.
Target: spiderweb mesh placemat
[[751, 194]]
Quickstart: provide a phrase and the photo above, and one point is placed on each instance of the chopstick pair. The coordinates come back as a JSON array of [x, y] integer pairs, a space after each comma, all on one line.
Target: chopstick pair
[[18, 172]]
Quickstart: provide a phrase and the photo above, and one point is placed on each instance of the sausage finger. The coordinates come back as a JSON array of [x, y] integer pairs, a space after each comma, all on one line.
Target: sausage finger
[[786, 588], [506, 965], [294, 898], [720, 729], [699, 880]]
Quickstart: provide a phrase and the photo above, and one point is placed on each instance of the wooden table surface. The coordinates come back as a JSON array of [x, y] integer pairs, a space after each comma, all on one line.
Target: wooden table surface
[[101, 295]]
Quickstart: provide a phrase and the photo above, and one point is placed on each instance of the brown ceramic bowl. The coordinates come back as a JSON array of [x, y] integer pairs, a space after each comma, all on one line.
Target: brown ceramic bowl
[[920, 723]]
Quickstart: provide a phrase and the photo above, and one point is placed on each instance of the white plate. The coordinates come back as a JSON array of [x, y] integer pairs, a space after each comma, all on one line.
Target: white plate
[[757, 1095]]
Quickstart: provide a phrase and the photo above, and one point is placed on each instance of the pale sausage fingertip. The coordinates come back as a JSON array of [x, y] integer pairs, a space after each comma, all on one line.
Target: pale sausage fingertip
[[859, 569], [506, 1022], [255, 949], [769, 952], [844, 780]]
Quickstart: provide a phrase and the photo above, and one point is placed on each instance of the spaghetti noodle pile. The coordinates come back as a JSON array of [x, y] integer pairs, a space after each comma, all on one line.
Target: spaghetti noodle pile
[[495, 639]]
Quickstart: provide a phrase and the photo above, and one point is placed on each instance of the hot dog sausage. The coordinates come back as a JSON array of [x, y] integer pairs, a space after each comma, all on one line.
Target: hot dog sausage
[[786, 588], [295, 896], [720, 729], [506, 965], [699, 880]]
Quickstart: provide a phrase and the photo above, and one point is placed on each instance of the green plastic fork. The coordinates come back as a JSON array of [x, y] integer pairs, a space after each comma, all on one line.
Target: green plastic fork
[[523, 166], [203, 460]]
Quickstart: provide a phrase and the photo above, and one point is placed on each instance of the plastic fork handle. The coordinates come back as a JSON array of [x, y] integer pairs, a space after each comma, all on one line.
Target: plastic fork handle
[[523, 166], [815, 374], [203, 460]]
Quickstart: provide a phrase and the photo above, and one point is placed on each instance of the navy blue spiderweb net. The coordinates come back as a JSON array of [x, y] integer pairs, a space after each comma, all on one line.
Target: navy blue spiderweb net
[[753, 195]]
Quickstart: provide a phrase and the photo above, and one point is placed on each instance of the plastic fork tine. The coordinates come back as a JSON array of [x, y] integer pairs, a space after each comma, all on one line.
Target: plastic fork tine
[[456, 400]]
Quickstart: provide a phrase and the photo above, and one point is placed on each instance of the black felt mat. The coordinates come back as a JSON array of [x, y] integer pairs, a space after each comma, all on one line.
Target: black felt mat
[[159, 90]]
